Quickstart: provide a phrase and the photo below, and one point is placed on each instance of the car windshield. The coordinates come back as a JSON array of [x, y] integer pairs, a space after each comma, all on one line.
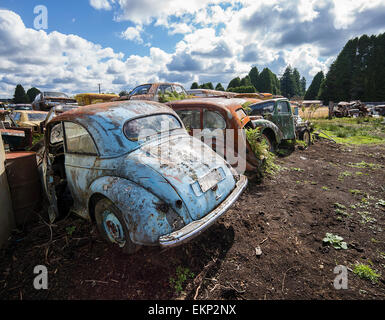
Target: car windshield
[[142, 128], [262, 108], [140, 90], [55, 94], [37, 116]]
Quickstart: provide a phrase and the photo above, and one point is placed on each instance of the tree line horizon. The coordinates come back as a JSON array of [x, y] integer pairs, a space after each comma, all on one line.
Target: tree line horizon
[[358, 73]]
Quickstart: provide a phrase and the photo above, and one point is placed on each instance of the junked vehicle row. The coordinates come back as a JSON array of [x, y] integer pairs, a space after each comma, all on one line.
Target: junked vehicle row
[[148, 173]]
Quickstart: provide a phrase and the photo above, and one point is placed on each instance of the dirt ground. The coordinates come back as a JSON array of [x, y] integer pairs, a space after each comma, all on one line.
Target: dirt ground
[[287, 216]]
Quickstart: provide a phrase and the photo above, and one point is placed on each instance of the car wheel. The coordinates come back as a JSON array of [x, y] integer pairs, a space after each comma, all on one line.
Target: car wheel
[[112, 227], [306, 137], [268, 141]]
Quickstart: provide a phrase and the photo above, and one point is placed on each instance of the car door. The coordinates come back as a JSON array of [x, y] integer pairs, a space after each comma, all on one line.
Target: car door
[[80, 158], [284, 119], [191, 119], [53, 142], [214, 130]]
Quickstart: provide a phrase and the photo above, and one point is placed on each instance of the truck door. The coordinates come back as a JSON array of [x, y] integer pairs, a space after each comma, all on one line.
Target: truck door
[[285, 120]]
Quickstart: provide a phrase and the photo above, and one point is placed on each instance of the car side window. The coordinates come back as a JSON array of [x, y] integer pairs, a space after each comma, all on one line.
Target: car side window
[[179, 89], [37, 98], [190, 118], [78, 139], [56, 134], [213, 120], [17, 116], [282, 107]]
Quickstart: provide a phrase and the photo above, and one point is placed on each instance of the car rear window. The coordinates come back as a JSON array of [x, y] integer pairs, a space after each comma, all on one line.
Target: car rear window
[[37, 116], [142, 128]]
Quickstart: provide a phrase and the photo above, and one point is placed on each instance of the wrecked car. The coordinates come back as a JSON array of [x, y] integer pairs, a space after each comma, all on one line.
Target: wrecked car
[[46, 100], [103, 162], [210, 93], [276, 120], [350, 109], [151, 91], [212, 114], [29, 119]]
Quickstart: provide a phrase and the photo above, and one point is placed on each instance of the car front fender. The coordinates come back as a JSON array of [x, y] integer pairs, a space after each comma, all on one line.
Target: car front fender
[[268, 125]]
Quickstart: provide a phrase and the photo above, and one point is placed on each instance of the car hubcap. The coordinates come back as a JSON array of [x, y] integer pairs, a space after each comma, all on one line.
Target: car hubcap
[[113, 228]]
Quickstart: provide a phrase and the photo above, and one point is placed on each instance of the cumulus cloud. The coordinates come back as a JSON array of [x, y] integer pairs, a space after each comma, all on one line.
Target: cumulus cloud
[[101, 4], [217, 40], [133, 34], [68, 63]]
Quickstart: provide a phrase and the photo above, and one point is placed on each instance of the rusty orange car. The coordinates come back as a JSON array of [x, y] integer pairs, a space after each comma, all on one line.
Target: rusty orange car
[[209, 114]]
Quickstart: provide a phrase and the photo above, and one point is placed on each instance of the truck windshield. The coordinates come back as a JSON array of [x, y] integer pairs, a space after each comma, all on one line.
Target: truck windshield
[[142, 128], [262, 108]]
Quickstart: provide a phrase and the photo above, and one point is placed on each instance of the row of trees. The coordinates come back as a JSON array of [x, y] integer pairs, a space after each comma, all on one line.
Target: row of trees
[[20, 96], [358, 72], [207, 85], [289, 85]]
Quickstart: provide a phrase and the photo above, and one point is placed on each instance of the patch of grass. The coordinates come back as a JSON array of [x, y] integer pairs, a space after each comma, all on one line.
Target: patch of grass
[[339, 206], [366, 272], [344, 174], [354, 131], [182, 275], [381, 202], [364, 165], [261, 151], [335, 241], [325, 188], [70, 230], [297, 169], [355, 191], [366, 217]]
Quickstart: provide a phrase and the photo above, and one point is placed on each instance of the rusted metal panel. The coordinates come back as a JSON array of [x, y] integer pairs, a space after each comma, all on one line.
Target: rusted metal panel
[[24, 184]]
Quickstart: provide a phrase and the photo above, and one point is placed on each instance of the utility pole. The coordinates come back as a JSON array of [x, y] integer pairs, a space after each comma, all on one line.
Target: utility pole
[[99, 86]]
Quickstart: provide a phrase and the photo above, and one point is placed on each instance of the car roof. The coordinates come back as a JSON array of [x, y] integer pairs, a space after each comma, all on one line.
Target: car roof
[[269, 100], [104, 121], [30, 111], [219, 102]]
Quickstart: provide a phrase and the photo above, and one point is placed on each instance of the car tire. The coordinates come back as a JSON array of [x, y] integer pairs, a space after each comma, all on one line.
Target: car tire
[[306, 136], [269, 142], [112, 226]]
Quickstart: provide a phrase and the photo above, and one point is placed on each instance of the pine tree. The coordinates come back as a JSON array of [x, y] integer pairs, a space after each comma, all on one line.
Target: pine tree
[[246, 82], [288, 85], [297, 82], [194, 85], [234, 83], [32, 93], [20, 96], [253, 74], [303, 86], [314, 88], [219, 87]]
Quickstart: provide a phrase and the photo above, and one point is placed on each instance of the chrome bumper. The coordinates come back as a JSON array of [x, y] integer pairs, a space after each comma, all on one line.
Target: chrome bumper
[[195, 228]]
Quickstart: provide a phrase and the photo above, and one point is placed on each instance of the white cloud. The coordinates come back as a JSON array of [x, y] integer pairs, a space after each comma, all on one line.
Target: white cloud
[[68, 63], [133, 34], [101, 4]]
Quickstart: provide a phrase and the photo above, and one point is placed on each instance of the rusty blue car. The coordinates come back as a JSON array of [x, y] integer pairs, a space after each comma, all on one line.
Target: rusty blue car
[[131, 168]]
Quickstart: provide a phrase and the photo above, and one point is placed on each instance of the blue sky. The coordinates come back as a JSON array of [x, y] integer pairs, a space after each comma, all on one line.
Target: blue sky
[[122, 43]]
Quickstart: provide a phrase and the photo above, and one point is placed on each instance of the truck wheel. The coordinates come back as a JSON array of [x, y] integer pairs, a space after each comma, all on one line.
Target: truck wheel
[[268, 141], [112, 227], [306, 137]]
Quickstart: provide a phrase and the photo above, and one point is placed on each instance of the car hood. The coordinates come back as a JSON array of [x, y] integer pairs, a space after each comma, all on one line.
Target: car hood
[[184, 162]]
